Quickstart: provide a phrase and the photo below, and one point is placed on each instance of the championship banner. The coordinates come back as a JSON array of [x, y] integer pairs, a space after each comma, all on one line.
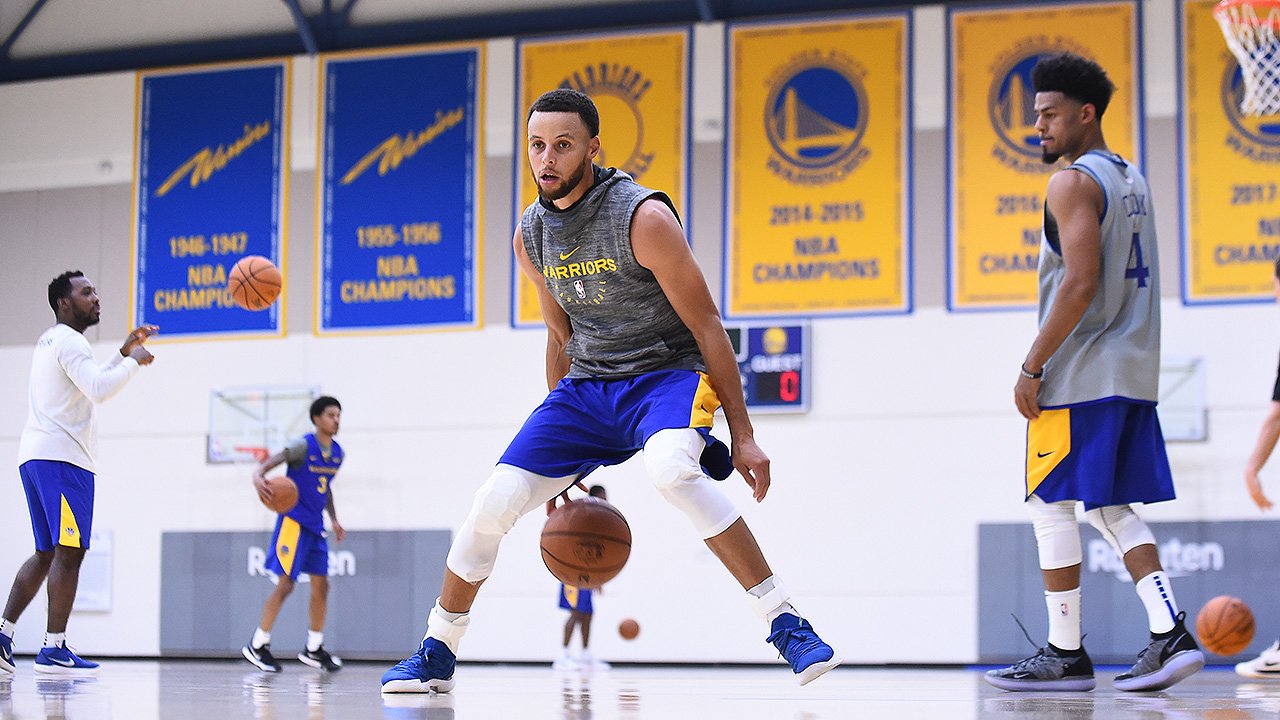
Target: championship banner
[[211, 186], [818, 171], [398, 197], [640, 84], [1230, 172], [996, 177]]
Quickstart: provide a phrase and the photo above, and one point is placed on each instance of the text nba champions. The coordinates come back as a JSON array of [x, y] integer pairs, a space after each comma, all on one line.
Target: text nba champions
[[211, 253], [399, 267], [817, 254]]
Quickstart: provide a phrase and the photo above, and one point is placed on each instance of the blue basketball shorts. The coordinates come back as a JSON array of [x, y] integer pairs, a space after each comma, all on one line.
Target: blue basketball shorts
[[297, 550], [60, 500], [1106, 452], [586, 423], [575, 599]]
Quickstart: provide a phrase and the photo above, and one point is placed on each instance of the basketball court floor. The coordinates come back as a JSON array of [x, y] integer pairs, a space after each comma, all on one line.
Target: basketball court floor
[[226, 690]]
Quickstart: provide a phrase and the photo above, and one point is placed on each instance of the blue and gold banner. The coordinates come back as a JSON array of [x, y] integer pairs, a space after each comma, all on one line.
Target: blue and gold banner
[[996, 176], [398, 198], [817, 152], [1230, 173], [639, 82], [210, 187]]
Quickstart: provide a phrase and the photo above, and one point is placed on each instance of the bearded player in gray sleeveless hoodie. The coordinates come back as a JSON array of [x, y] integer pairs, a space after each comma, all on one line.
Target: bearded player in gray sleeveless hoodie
[[637, 359], [1088, 387]]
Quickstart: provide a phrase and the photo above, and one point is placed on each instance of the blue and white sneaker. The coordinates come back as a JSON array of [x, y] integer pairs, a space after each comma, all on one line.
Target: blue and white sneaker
[[800, 646], [59, 660], [6, 656], [430, 669]]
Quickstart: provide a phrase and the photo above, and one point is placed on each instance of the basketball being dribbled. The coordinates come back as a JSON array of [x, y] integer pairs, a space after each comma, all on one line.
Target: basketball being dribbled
[[1225, 625], [254, 282], [585, 543], [284, 494], [629, 629]]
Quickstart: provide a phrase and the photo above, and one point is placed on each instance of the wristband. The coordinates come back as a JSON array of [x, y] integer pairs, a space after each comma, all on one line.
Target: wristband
[[1030, 375]]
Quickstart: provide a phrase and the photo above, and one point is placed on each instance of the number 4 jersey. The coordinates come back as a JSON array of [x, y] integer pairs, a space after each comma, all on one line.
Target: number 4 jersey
[[1114, 351]]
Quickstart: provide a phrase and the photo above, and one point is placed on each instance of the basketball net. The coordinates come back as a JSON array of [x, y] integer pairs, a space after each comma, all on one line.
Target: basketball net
[[1251, 28]]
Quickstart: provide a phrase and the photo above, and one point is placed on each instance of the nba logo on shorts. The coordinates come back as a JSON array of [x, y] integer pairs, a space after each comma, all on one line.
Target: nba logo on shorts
[[578, 288]]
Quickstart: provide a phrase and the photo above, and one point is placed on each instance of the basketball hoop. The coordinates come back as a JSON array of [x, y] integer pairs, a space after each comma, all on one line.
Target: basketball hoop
[[1252, 30]]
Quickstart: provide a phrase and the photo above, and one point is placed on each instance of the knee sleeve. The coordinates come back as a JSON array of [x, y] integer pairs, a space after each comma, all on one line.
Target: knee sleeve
[[505, 497], [1057, 533], [1120, 527], [671, 459]]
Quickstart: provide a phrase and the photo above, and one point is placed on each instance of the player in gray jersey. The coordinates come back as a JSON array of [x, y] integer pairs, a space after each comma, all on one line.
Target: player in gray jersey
[[1088, 387], [637, 359]]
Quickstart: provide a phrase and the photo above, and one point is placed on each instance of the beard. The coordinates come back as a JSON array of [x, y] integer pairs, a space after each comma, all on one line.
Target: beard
[[563, 189], [1049, 158]]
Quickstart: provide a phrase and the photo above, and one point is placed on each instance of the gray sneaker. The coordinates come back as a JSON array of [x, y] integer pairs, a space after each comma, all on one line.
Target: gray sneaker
[[1049, 669], [1170, 658]]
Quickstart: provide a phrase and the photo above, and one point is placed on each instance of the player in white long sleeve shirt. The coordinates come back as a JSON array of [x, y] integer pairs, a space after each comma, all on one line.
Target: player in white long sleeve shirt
[[56, 462]]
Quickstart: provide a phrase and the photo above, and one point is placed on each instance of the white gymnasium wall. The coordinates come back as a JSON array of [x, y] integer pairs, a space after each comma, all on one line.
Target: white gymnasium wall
[[872, 521]]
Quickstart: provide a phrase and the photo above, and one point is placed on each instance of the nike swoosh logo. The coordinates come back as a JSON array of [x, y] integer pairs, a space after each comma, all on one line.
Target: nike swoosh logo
[[1043, 455], [63, 663], [566, 256]]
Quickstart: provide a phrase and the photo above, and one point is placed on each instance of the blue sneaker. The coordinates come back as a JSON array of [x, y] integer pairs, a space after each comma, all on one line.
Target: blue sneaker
[[59, 660], [6, 656], [430, 669], [800, 645]]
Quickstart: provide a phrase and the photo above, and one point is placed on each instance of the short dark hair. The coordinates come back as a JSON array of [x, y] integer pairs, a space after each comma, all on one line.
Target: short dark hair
[[1278, 268], [60, 287], [324, 401], [596, 491], [568, 100], [1078, 78]]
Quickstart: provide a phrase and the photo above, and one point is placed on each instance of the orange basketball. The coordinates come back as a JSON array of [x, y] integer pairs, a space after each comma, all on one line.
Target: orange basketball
[[254, 282], [629, 629], [1225, 625], [586, 542], [284, 494]]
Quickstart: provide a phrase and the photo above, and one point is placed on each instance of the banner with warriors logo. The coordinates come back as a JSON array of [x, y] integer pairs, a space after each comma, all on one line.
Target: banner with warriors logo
[[996, 175], [1231, 171], [639, 82], [818, 171]]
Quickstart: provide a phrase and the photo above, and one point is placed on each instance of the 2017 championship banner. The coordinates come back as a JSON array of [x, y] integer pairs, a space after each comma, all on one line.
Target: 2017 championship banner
[[639, 82], [1230, 172], [211, 187], [818, 176], [996, 176], [398, 192]]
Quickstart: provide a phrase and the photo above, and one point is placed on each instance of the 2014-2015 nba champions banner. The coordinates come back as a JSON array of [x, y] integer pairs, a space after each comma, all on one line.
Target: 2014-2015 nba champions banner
[[818, 172], [211, 186], [1230, 172], [639, 82], [398, 190], [996, 176]]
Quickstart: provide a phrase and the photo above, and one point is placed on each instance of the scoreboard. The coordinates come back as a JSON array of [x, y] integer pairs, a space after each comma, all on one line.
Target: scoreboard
[[773, 361]]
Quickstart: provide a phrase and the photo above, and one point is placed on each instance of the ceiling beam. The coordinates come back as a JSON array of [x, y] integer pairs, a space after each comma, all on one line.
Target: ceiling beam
[[304, 27], [22, 25]]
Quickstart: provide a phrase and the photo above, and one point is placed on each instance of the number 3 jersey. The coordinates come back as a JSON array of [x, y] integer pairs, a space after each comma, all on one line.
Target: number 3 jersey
[[1114, 351], [313, 472]]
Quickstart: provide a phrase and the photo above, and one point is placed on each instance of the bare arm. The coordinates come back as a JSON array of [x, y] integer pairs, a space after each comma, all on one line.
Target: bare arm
[[557, 321], [1076, 203], [1267, 437], [659, 245], [338, 531], [260, 474]]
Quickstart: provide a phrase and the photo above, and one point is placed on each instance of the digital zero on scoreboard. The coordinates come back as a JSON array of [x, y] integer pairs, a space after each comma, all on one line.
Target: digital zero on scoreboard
[[773, 361]]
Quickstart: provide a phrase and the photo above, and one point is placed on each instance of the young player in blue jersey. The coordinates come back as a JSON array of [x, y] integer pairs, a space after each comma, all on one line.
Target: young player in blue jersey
[[299, 545], [1088, 388], [56, 456], [637, 360]]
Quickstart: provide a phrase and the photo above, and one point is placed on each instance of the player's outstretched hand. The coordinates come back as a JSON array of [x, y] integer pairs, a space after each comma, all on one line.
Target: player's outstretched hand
[[551, 504], [137, 338], [142, 355], [753, 465], [1254, 483]]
